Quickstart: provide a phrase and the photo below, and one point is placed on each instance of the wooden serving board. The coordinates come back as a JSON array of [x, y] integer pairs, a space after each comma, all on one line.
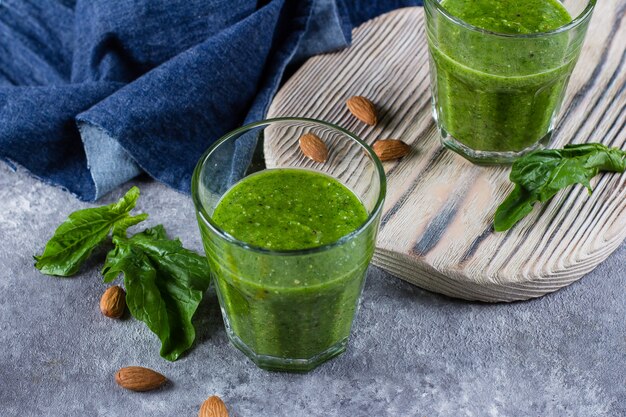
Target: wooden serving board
[[436, 229]]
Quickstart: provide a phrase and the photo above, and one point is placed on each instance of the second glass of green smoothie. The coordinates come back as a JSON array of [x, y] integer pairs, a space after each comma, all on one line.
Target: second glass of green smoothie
[[499, 71], [288, 239]]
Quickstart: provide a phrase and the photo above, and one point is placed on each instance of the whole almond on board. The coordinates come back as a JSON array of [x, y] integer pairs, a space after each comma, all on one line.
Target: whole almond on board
[[138, 378], [113, 302], [389, 149], [363, 109], [313, 147], [213, 407]]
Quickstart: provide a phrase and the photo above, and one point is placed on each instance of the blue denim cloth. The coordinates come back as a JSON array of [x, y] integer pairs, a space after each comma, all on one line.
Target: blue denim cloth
[[94, 92]]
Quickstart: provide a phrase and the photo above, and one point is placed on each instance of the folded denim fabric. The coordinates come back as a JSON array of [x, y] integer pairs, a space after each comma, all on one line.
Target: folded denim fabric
[[94, 92]]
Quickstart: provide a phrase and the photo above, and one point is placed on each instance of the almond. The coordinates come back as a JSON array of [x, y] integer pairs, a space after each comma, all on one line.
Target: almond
[[138, 378], [113, 302], [213, 407], [389, 149], [313, 147], [363, 109]]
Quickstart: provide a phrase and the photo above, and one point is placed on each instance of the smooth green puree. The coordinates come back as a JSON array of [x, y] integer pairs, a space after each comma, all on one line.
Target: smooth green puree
[[290, 305], [494, 93]]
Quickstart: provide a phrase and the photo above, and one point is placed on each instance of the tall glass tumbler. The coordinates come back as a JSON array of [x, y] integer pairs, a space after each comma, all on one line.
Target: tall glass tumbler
[[288, 310], [496, 96]]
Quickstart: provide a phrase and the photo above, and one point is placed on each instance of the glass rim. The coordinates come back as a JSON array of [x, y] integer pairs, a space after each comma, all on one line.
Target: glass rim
[[582, 16], [206, 218]]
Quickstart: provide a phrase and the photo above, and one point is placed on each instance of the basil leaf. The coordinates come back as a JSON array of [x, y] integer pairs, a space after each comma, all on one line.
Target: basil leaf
[[164, 285], [83, 231], [514, 208], [541, 174]]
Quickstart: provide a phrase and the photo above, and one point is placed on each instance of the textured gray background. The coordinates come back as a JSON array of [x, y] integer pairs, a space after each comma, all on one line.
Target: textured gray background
[[413, 353]]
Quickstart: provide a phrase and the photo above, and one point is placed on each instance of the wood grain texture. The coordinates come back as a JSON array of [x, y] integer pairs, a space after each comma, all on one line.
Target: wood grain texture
[[436, 229]]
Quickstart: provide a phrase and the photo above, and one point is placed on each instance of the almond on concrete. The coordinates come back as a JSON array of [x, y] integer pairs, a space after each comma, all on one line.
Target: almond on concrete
[[363, 109], [313, 147], [389, 149], [213, 407], [138, 378], [113, 302]]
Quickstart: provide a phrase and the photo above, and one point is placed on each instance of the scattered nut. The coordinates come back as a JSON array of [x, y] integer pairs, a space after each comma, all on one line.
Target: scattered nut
[[389, 149], [313, 147], [113, 302], [213, 407], [363, 109], [138, 378]]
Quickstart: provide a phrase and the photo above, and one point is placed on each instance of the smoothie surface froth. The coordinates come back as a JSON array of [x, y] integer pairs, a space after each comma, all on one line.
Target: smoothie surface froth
[[510, 16], [289, 209]]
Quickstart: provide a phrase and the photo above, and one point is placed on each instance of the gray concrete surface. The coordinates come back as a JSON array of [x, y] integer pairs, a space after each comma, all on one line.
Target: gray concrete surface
[[412, 353]]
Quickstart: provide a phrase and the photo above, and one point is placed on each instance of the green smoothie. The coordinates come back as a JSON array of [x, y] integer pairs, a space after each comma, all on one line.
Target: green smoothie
[[278, 302], [496, 93]]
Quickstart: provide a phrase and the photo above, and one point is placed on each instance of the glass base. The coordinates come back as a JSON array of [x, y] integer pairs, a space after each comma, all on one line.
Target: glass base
[[489, 157], [274, 363]]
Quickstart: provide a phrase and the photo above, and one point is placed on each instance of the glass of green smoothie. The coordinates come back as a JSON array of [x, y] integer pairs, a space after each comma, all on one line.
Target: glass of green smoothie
[[499, 71], [288, 239]]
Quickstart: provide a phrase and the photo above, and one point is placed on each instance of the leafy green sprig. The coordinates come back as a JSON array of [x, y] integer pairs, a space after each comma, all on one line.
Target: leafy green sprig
[[83, 231], [164, 281], [539, 175]]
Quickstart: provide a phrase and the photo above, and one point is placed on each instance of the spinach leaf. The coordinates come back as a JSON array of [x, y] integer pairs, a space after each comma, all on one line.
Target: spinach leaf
[[164, 285], [83, 231], [541, 174]]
